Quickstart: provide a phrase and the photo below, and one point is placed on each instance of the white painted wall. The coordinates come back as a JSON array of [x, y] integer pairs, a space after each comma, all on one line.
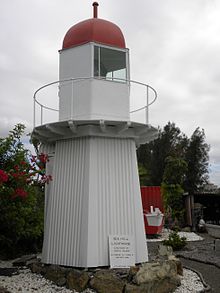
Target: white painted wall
[[95, 192], [76, 62]]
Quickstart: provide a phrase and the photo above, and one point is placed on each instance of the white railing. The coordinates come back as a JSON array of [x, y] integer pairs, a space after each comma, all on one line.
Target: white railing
[[140, 99]]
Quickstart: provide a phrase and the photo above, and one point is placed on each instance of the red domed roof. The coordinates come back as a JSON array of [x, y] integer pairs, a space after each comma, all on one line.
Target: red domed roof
[[94, 30]]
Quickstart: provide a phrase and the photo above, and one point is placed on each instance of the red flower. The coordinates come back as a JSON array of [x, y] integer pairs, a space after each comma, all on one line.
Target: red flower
[[20, 192], [46, 179], [3, 176], [19, 175], [43, 158], [15, 175], [16, 167]]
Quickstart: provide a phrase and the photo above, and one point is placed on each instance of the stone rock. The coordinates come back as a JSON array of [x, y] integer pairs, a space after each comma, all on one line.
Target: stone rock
[[159, 277], [164, 250], [159, 287], [56, 274], [106, 281], [132, 272], [77, 280], [37, 268], [122, 273], [3, 290], [21, 261], [61, 281], [134, 289], [155, 271], [178, 264], [8, 271], [31, 261], [165, 286]]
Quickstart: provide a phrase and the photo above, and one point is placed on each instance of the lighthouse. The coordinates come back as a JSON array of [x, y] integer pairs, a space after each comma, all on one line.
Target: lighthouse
[[95, 191]]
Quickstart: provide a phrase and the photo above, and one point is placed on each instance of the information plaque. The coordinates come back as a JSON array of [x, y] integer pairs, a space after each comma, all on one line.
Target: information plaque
[[121, 251]]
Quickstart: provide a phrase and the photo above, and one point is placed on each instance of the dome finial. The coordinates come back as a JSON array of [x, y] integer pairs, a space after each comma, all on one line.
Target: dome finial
[[95, 9]]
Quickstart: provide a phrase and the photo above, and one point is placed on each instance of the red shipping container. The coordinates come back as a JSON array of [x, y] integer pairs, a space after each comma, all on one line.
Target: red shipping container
[[151, 196]]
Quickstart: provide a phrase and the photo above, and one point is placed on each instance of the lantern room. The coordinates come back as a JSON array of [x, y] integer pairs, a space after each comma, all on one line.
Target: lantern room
[[94, 72]]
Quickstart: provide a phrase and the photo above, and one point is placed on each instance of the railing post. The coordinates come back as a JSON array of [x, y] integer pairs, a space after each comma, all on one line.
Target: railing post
[[41, 114], [147, 107], [34, 122]]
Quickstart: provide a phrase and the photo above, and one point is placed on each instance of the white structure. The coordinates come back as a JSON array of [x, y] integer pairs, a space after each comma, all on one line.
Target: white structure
[[95, 190], [99, 97]]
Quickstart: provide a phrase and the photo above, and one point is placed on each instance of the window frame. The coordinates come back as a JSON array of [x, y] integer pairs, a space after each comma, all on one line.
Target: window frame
[[111, 79]]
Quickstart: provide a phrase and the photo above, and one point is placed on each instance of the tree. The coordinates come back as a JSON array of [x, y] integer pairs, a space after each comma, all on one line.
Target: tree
[[177, 163], [170, 142], [22, 178], [11, 148], [175, 170], [197, 158], [173, 178], [143, 175]]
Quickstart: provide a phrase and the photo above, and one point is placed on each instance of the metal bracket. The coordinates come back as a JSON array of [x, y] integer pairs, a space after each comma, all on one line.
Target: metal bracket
[[102, 125], [72, 126], [123, 126]]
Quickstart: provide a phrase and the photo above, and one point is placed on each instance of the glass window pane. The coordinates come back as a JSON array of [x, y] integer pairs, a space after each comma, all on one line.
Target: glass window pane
[[109, 63]]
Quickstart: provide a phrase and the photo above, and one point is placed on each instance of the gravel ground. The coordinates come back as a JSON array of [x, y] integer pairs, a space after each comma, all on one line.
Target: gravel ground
[[24, 281], [202, 257], [190, 236], [190, 282], [198, 255], [210, 273]]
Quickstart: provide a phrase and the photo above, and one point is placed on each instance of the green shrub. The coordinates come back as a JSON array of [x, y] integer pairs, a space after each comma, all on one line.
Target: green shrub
[[21, 222], [22, 178], [175, 241]]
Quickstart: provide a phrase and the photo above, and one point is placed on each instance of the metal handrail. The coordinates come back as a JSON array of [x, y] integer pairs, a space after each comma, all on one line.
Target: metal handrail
[[91, 78]]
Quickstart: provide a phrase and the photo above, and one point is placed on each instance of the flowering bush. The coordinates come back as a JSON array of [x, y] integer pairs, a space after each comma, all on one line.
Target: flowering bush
[[22, 179], [3, 177]]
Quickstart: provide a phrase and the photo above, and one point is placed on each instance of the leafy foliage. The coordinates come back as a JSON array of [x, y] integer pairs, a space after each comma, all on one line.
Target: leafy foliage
[[170, 142], [22, 179], [143, 175], [175, 170], [170, 149], [175, 241], [12, 150], [177, 163], [197, 159], [174, 203], [173, 178]]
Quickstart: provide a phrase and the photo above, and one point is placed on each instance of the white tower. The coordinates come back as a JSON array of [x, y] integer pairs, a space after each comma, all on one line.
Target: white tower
[[95, 190]]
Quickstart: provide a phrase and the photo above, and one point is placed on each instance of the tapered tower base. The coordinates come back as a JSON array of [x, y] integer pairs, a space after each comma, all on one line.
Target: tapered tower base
[[95, 193], [95, 190]]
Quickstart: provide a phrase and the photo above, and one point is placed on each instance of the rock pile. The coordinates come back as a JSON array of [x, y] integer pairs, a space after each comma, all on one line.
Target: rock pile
[[161, 276]]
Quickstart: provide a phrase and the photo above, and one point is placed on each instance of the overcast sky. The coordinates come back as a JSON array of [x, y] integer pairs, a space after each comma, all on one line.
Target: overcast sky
[[174, 46]]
